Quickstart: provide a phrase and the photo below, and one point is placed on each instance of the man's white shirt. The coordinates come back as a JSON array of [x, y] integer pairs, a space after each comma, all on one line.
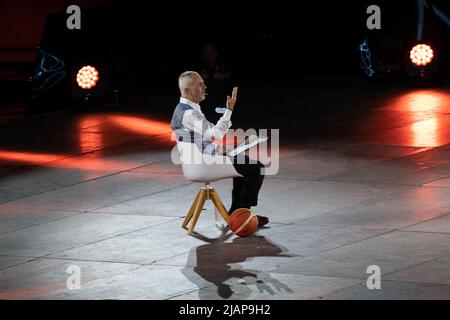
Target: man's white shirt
[[195, 120]]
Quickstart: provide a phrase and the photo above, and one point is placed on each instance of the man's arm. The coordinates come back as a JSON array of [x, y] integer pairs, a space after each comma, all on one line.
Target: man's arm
[[195, 121], [231, 101]]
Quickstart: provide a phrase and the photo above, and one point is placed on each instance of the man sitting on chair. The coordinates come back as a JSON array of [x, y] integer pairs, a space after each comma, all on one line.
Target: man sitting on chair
[[189, 121]]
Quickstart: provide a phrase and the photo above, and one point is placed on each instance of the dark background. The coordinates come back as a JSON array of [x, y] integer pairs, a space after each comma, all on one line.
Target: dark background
[[145, 45], [260, 40]]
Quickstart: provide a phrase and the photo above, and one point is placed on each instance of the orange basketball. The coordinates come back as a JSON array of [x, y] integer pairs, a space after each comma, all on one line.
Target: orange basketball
[[243, 222]]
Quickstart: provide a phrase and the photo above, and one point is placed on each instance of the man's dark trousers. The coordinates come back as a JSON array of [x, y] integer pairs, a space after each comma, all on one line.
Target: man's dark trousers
[[246, 188]]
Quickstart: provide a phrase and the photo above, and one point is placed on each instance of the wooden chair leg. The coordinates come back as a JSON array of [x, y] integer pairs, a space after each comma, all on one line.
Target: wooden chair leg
[[198, 208], [191, 210], [219, 205]]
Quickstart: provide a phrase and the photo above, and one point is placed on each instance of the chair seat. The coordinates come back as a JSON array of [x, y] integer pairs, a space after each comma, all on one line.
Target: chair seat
[[198, 167]]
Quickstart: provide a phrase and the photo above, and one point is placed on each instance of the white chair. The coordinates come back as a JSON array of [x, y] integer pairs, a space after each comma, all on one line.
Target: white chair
[[198, 167]]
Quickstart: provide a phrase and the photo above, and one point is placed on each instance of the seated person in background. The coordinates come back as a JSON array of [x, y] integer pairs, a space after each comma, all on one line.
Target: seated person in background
[[217, 77], [214, 70]]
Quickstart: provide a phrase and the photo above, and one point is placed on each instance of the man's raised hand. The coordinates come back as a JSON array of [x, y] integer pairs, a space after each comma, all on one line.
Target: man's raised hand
[[232, 100]]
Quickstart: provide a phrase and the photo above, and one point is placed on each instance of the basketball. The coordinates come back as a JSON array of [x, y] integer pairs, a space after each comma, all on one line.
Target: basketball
[[243, 222]]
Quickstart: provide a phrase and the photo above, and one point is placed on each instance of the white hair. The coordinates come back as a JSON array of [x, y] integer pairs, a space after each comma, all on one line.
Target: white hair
[[185, 80]]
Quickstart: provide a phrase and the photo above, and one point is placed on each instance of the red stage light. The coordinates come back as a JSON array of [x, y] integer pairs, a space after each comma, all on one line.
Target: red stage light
[[421, 54], [87, 77]]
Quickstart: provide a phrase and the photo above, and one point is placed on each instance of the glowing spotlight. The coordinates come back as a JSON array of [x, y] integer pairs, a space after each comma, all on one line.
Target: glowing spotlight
[[87, 77], [421, 54]]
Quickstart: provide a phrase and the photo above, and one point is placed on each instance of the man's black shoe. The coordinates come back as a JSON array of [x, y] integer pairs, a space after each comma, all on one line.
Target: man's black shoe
[[262, 221]]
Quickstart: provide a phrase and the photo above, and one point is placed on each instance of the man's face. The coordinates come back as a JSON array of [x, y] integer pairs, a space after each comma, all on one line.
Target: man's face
[[197, 90]]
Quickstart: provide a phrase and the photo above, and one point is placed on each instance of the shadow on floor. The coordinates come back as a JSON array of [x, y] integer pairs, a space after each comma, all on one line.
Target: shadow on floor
[[212, 263]]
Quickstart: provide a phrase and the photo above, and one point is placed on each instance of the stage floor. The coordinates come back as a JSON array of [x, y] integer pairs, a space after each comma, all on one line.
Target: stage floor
[[364, 180]]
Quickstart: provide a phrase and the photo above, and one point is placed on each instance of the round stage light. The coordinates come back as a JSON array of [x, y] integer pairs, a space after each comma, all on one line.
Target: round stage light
[[421, 54], [87, 77]]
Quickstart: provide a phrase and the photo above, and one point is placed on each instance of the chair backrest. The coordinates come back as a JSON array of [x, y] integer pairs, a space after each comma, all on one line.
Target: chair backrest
[[201, 167]]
